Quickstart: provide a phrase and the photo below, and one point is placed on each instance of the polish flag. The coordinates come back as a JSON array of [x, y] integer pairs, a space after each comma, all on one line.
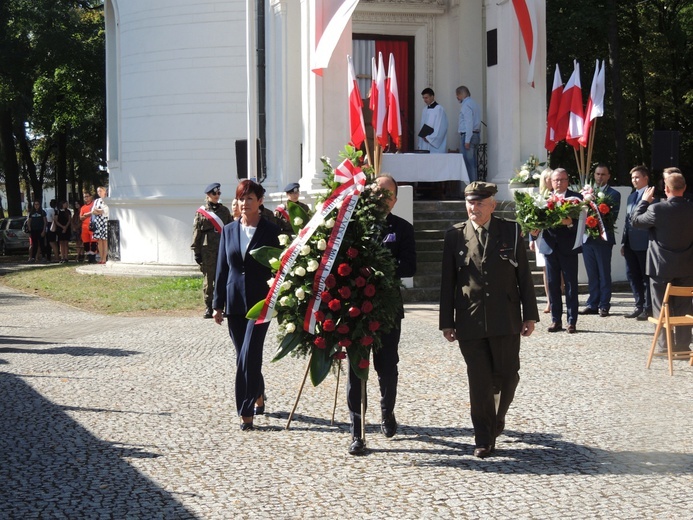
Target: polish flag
[[527, 19], [595, 104], [552, 116], [357, 127], [380, 116], [570, 114], [394, 121], [373, 98], [337, 14]]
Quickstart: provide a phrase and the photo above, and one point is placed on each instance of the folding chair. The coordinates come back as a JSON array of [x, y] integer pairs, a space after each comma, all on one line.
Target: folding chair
[[666, 321]]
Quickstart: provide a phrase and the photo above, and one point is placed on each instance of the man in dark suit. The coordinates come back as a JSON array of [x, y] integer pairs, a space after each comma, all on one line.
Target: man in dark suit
[[634, 248], [487, 302], [596, 253], [558, 247], [670, 252], [399, 239]]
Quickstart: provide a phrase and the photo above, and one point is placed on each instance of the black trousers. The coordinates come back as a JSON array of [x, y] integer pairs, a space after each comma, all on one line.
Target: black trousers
[[385, 362], [249, 341], [492, 366]]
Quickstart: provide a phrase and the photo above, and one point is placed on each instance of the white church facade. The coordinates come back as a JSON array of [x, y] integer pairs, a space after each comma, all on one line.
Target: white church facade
[[177, 97]]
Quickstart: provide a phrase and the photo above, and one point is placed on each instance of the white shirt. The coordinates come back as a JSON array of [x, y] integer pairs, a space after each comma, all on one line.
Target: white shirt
[[247, 233]]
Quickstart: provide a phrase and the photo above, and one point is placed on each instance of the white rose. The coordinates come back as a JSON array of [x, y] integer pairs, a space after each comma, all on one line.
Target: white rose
[[312, 266], [322, 245], [300, 271], [305, 250], [270, 282], [298, 221], [283, 239], [290, 327], [329, 224], [588, 197], [300, 293], [286, 285], [536, 176], [273, 260], [600, 195], [284, 301]]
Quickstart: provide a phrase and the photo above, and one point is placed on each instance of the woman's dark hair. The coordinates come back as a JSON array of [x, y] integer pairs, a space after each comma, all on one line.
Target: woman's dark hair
[[247, 186]]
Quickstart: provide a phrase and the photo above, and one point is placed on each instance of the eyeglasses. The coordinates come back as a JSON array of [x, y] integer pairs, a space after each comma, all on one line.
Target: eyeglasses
[[560, 180], [215, 192]]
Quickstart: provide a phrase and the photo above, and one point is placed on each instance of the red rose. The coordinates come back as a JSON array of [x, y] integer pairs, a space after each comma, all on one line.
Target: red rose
[[339, 355], [373, 326], [344, 269], [352, 252], [360, 281], [344, 292], [330, 281], [320, 342], [369, 290], [366, 340], [346, 343], [550, 205], [319, 316], [364, 363], [328, 325], [366, 271], [575, 202], [604, 208], [343, 328], [354, 311], [591, 222], [366, 307], [326, 296], [335, 305]]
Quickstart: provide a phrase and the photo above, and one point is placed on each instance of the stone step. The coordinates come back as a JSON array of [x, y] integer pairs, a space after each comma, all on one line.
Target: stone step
[[441, 225]]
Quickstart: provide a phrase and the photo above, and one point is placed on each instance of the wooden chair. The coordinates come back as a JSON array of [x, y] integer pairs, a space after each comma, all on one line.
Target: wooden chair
[[667, 322]]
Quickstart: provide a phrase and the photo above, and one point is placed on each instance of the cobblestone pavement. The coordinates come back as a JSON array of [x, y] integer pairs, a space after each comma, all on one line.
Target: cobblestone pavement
[[110, 417]]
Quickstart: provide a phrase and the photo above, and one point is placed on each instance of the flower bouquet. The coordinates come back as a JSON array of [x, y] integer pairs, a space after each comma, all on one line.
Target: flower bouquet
[[529, 174], [536, 211], [334, 289], [601, 214]]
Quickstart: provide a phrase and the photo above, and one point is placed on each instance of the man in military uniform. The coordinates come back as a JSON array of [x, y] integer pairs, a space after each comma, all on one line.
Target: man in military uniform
[[210, 219], [281, 213], [487, 302]]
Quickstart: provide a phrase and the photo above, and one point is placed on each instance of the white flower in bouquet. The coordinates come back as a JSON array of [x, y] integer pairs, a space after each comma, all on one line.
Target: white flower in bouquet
[[300, 293], [329, 224], [539, 200], [312, 265], [283, 240], [300, 271], [290, 327], [601, 195], [298, 221], [321, 245], [285, 286], [285, 301], [305, 250]]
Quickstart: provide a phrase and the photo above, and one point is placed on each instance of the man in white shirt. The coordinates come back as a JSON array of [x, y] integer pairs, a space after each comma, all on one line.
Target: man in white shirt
[[433, 135], [469, 127]]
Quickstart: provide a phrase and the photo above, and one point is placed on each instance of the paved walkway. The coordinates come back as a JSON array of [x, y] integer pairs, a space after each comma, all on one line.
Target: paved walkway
[[107, 417]]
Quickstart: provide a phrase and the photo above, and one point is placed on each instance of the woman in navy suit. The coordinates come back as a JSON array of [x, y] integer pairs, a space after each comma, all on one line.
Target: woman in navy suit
[[240, 283]]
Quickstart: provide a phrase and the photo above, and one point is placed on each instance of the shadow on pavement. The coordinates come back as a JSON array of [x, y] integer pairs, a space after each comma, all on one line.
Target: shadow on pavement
[[69, 351], [52, 467]]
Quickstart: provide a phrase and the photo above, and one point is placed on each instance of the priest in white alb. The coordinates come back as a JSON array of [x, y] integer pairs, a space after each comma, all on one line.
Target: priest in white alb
[[433, 135]]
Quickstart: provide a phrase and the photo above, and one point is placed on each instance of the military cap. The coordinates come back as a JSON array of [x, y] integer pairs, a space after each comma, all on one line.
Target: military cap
[[212, 187], [293, 186], [478, 190]]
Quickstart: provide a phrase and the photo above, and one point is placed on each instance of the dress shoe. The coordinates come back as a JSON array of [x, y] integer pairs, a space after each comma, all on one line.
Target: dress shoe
[[603, 313], [483, 451], [634, 314], [555, 327], [208, 314], [357, 447], [247, 426], [587, 310], [571, 329], [643, 316], [389, 426]]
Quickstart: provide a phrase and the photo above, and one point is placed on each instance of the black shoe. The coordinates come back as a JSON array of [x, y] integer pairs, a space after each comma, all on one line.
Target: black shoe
[[484, 451], [247, 426], [358, 447], [571, 329], [603, 313], [643, 316], [634, 314], [555, 327], [389, 426], [208, 315], [588, 310]]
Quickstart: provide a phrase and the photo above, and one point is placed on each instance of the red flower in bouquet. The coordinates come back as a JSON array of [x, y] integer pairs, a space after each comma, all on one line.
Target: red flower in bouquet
[[354, 311], [604, 208], [343, 328], [344, 269], [328, 325], [344, 292], [373, 326], [360, 281], [364, 363], [319, 316], [366, 307], [340, 355], [320, 342], [330, 281], [335, 305], [326, 296], [352, 253], [366, 340], [346, 343], [369, 290], [591, 222], [550, 204]]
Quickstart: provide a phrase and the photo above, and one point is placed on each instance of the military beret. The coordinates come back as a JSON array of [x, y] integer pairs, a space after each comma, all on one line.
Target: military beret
[[478, 190], [293, 186], [212, 187]]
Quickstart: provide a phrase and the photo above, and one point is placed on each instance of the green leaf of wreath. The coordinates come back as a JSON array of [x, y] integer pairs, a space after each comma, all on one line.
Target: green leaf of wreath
[[320, 363], [268, 256], [289, 343], [296, 211], [254, 312]]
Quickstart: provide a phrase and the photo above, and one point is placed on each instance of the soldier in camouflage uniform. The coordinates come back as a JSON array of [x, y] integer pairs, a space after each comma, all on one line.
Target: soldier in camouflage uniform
[[209, 221]]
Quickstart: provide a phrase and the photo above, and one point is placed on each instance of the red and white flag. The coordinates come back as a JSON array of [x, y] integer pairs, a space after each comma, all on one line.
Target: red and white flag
[[380, 115], [527, 18], [373, 98], [570, 112], [552, 116], [595, 104], [394, 121], [332, 17], [357, 127]]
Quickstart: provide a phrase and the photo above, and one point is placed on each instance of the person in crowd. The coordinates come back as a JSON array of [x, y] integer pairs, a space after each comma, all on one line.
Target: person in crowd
[[399, 239], [670, 251], [100, 212], [76, 225], [85, 214], [51, 231], [634, 248], [469, 127], [208, 224], [596, 253], [433, 135], [240, 283], [281, 212], [37, 223], [235, 209], [487, 302], [63, 222], [540, 261], [558, 247]]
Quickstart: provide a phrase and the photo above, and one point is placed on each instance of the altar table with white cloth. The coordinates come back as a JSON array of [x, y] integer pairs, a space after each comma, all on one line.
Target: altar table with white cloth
[[425, 167]]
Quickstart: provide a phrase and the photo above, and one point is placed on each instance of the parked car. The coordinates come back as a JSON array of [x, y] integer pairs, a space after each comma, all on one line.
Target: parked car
[[13, 238]]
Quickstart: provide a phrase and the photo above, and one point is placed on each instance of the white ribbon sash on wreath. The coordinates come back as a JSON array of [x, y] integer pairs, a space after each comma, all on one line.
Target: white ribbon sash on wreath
[[354, 181], [213, 218], [282, 211], [602, 227]]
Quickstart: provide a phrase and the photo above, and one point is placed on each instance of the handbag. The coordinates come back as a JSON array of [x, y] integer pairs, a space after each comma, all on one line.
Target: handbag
[[92, 224]]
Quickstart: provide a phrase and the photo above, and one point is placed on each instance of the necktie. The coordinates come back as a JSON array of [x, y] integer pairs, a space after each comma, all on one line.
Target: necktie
[[483, 237]]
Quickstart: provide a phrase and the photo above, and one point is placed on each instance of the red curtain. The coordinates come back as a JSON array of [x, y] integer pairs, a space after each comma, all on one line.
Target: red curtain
[[400, 50]]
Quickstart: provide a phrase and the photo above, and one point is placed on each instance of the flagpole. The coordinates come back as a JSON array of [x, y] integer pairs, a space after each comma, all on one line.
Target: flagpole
[[593, 130]]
